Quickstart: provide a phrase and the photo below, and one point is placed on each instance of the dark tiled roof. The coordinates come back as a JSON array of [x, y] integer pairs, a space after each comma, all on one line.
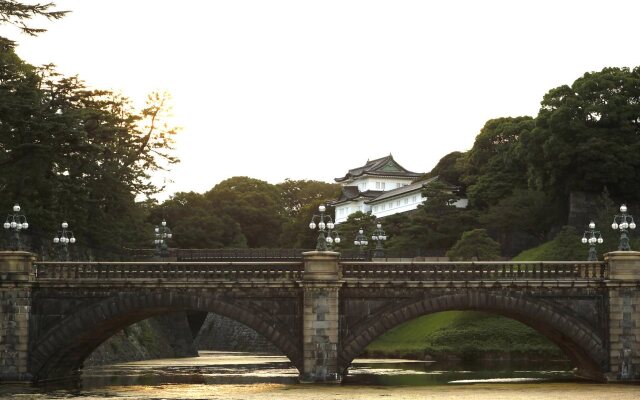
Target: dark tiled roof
[[351, 193], [402, 190], [385, 166]]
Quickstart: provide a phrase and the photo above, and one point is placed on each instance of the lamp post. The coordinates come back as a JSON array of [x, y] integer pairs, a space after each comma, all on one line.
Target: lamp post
[[624, 222], [16, 222], [64, 238], [162, 234], [361, 240], [325, 234], [378, 236], [592, 237]]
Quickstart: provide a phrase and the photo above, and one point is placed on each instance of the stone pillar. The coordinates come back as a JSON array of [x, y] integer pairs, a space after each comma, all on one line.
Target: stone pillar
[[624, 315], [321, 285], [16, 279]]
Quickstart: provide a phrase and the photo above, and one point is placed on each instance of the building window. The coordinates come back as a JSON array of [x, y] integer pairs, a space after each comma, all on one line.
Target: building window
[[375, 208], [384, 206], [377, 185], [406, 200], [398, 185], [397, 203]]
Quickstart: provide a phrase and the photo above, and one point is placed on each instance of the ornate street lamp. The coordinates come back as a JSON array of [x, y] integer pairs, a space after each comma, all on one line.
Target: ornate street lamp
[[64, 238], [162, 234], [325, 234], [361, 240], [623, 221], [592, 237], [16, 222], [378, 236]]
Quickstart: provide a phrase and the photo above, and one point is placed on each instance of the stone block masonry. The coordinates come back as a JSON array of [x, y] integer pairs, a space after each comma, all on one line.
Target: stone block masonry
[[16, 279]]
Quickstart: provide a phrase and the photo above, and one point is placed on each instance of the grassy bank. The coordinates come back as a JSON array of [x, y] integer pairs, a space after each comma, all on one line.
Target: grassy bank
[[467, 335]]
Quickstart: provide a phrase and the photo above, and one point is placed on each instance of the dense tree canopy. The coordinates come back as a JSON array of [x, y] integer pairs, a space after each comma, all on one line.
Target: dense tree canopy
[[587, 136], [69, 153], [475, 245]]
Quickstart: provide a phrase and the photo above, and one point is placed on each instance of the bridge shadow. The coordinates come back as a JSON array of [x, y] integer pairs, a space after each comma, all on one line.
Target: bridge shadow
[[58, 356]]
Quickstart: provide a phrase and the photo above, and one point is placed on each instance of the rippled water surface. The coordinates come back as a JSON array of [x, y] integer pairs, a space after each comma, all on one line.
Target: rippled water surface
[[216, 375]]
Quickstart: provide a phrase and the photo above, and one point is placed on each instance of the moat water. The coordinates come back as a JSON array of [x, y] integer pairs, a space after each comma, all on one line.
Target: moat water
[[216, 375]]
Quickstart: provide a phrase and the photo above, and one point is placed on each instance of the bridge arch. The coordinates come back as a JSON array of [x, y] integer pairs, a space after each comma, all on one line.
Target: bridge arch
[[64, 347], [583, 346]]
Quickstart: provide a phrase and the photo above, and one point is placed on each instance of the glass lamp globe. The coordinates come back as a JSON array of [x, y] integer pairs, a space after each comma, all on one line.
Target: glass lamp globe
[[379, 226], [584, 240], [169, 235], [624, 225], [592, 225], [157, 229], [632, 225], [360, 231], [65, 225], [356, 242], [25, 225], [312, 225], [600, 240], [374, 237], [321, 225], [330, 225], [623, 208], [18, 227], [365, 242], [164, 223], [72, 240], [13, 224], [7, 225], [322, 208], [614, 226], [16, 208], [329, 239], [592, 240], [337, 240], [56, 240]]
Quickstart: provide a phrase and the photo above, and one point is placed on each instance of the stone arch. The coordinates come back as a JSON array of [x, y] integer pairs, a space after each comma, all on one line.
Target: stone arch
[[62, 350], [579, 342]]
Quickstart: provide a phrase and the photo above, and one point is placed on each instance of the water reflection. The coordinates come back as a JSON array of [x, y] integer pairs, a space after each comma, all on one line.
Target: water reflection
[[416, 373], [240, 368], [215, 373]]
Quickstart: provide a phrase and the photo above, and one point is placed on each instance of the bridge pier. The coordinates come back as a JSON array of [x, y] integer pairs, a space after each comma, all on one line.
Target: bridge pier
[[16, 280], [320, 333], [624, 315]]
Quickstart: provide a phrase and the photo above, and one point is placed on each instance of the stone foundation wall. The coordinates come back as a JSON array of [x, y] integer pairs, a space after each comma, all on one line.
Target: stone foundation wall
[[224, 334]]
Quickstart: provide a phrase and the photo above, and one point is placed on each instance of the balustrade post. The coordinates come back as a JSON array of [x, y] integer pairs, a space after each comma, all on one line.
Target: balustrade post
[[321, 285], [623, 286], [17, 276]]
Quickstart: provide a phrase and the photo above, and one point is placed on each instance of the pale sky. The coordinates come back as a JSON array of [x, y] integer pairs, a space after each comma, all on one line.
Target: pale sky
[[308, 89]]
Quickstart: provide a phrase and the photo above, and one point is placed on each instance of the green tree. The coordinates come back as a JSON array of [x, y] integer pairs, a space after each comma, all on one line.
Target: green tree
[[79, 155], [587, 136], [448, 169], [438, 223], [492, 169], [254, 204], [195, 224], [528, 211], [18, 14], [475, 245]]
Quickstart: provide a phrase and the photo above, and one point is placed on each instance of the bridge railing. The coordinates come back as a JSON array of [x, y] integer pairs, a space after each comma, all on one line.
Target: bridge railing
[[233, 271], [465, 271]]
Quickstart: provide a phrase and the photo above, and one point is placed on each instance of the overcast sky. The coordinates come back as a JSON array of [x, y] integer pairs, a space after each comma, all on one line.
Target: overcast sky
[[308, 89]]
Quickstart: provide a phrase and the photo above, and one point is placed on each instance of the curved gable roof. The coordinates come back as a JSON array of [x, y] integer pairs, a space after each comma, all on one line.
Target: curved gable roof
[[385, 166]]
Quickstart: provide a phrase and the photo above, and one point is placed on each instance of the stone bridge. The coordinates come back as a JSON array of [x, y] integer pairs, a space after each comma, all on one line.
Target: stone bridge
[[320, 312]]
